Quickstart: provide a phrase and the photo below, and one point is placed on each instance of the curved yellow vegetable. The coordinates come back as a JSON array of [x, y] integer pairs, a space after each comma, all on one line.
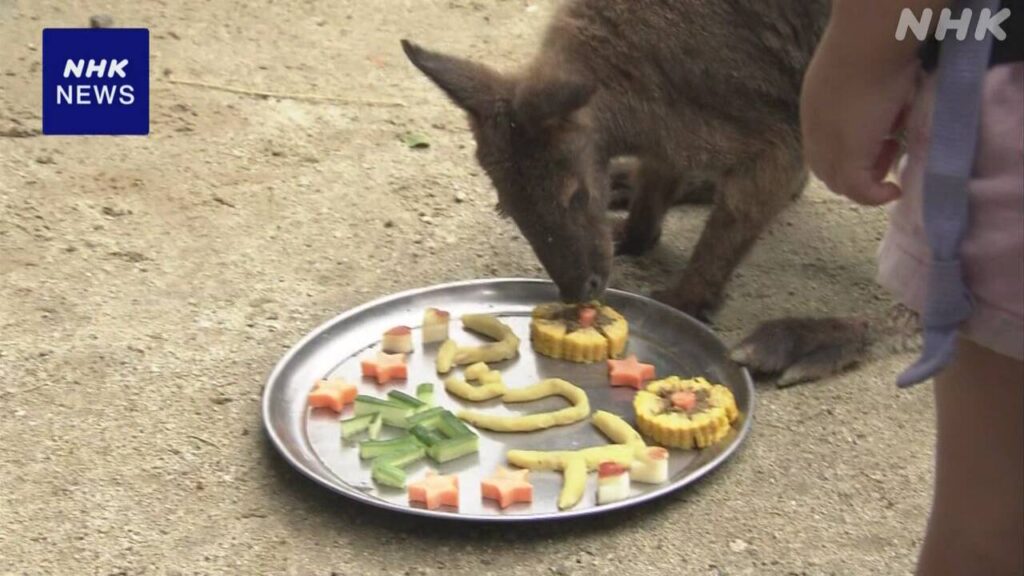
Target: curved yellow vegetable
[[490, 352], [446, 356], [617, 429], [476, 371], [557, 459], [486, 324], [532, 422], [548, 387], [467, 391], [574, 482], [574, 464], [506, 347]]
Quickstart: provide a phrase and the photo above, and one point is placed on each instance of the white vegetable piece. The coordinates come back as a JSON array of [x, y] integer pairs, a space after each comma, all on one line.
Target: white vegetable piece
[[651, 466], [435, 325], [612, 487]]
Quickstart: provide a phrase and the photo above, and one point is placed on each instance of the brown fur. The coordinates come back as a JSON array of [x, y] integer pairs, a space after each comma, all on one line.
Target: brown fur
[[696, 90]]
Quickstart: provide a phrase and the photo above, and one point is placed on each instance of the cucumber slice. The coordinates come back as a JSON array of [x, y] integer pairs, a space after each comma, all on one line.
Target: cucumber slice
[[393, 413], [428, 436], [387, 469], [400, 459], [400, 397], [369, 449], [452, 427], [453, 448], [427, 418], [374, 430], [392, 476], [355, 425], [425, 393]]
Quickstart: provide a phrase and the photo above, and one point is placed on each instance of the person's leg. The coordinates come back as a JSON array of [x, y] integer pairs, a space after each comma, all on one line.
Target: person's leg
[[977, 518]]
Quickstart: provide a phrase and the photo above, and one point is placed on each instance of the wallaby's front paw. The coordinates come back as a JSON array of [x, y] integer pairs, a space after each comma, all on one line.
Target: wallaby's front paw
[[803, 349], [693, 302], [633, 240]]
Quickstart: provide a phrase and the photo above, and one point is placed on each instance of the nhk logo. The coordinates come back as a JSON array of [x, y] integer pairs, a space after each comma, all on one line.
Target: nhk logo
[[90, 93], [95, 81], [987, 22]]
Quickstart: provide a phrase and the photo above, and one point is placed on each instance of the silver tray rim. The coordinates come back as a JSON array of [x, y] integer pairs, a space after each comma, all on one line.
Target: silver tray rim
[[357, 495]]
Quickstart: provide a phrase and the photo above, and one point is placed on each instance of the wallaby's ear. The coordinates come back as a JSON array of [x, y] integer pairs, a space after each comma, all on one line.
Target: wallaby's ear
[[474, 87], [544, 99]]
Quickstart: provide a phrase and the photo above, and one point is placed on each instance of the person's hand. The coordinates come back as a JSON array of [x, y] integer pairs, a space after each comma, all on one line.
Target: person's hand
[[852, 108]]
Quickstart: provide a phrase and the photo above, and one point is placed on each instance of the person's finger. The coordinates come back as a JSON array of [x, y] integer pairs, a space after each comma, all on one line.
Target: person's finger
[[887, 156], [861, 187]]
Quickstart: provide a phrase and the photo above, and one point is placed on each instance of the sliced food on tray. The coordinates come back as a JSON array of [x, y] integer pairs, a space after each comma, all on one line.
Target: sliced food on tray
[[612, 482], [384, 367], [507, 487], [579, 409], [504, 347], [397, 340], [578, 332], [332, 394], [574, 465], [650, 465], [489, 383], [629, 372], [425, 431], [685, 414], [435, 325], [402, 428], [435, 490]]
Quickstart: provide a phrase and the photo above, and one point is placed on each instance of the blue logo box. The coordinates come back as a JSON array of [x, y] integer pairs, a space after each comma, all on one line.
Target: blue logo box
[[95, 81]]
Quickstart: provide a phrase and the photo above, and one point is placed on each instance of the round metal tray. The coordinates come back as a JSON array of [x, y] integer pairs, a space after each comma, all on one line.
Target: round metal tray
[[310, 439]]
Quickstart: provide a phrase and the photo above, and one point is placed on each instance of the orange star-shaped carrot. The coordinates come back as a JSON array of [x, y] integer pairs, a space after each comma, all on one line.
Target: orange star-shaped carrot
[[507, 487], [385, 367], [629, 372], [435, 491], [587, 317], [332, 394], [684, 400]]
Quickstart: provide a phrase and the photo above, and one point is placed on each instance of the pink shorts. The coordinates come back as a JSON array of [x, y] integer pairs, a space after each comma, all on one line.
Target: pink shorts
[[993, 250]]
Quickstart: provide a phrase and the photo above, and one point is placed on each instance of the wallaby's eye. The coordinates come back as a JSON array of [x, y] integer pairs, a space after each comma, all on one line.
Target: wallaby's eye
[[579, 199]]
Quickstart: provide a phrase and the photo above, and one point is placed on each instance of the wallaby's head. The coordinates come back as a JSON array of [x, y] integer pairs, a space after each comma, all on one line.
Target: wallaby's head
[[534, 142]]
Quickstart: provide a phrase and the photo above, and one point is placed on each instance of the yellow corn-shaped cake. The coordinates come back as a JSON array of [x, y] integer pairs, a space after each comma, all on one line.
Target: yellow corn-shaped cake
[[685, 414], [578, 332]]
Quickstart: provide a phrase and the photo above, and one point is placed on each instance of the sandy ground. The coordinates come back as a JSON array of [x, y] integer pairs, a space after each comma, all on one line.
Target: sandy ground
[[147, 285]]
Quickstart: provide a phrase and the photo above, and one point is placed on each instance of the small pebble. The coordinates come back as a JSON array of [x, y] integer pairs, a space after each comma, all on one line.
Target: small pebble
[[101, 21], [738, 545]]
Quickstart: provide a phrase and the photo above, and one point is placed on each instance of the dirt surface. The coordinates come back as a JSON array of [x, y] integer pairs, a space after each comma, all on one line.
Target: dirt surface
[[147, 285]]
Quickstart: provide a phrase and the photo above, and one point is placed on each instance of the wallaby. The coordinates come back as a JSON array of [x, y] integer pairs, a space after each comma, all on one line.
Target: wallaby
[[693, 89], [695, 93]]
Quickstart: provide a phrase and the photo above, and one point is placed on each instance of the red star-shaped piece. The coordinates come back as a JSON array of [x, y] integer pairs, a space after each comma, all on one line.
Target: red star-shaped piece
[[385, 367], [629, 372], [332, 394], [435, 491], [507, 487]]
